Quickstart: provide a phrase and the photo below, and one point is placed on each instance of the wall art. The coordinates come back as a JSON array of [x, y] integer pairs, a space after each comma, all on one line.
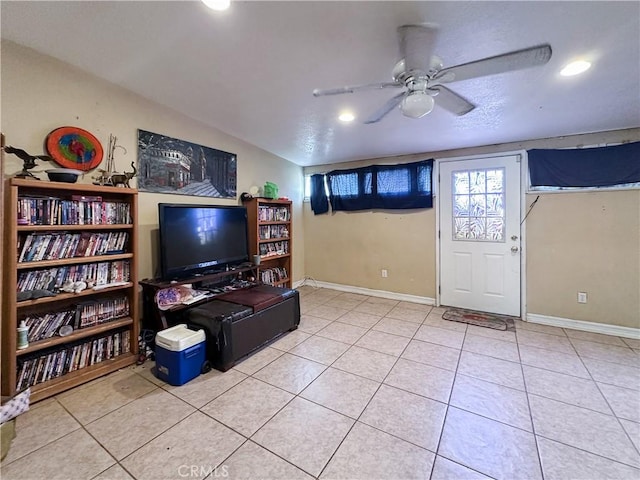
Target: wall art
[[73, 147], [170, 165]]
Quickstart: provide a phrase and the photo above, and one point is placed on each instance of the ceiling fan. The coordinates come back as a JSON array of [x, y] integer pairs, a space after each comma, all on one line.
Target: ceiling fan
[[422, 76]]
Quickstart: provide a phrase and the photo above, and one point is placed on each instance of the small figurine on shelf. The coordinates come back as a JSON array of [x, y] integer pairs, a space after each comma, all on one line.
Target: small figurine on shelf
[[106, 176], [29, 161], [118, 179], [103, 178]]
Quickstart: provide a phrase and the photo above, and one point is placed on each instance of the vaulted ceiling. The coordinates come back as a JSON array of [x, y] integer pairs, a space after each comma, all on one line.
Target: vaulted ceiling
[[250, 71]]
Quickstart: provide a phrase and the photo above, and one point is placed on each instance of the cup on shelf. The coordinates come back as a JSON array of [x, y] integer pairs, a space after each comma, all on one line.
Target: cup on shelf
[[256, 260]]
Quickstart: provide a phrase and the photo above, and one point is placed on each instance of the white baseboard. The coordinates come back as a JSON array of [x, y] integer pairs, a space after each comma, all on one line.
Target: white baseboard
[[370, 292], [593, 327]]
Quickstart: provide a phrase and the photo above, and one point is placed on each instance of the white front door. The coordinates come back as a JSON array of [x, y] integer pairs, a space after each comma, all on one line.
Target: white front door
[[480, 234]]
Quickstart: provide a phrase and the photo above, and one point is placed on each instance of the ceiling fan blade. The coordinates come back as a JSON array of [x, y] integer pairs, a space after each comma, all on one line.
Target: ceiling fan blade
[[519, 59], [356, 88], [417, 43], [450, 100], [386, 108]]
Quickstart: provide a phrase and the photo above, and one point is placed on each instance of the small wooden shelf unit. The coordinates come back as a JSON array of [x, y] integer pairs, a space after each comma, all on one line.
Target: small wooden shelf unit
[[270, 216], [13, 311]]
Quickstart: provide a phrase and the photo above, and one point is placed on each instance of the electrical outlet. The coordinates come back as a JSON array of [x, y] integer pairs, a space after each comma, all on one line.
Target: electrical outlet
[[582, 297], [384, 273]]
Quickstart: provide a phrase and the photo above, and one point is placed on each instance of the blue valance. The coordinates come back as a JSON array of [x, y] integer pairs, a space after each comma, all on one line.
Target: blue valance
[[401, 186], [585, 167]]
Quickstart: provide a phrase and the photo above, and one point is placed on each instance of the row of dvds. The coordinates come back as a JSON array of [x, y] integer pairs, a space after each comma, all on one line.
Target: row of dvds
[[274, 248], [97, 312], [53, 279], [272, 275], [41, 368], [273, 231], [46, 326], [274, 214], [84, 315], [55, 211], [53, 246]]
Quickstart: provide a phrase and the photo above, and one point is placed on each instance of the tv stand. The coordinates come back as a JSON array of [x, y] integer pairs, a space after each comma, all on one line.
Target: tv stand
[[155, 319], [262, 313]]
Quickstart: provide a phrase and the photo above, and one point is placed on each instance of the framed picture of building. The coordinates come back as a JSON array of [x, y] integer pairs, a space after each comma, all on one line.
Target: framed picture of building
[[170, 165]]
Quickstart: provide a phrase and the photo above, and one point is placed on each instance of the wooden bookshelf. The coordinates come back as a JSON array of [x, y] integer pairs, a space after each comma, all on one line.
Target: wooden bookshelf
[[268, 219], [13, 311]]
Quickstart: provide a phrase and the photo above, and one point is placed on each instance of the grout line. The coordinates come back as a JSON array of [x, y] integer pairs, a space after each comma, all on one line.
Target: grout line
[[84, 427], [367, 405], [636, 467], [628, 435], [576, 406], [446, 412], [533, 424], [572, 404]]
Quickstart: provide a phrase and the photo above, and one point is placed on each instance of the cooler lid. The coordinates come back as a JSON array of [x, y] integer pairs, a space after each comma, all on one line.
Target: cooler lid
[[179, 338]]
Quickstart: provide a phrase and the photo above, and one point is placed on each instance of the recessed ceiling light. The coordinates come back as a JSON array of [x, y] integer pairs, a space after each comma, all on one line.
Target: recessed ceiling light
[[574, 68], [217, 4], [346, 117]]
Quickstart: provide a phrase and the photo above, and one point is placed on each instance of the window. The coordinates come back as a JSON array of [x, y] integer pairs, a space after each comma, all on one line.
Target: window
[[478, 205], [349, 184], [394, 182], [608, 167], [402, 186], [307, 188]]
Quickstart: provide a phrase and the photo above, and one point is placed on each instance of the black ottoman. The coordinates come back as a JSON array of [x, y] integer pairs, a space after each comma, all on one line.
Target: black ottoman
[[216, 318]]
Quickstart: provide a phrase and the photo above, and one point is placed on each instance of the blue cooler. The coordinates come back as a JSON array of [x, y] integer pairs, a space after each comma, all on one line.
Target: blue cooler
[[180, 354]]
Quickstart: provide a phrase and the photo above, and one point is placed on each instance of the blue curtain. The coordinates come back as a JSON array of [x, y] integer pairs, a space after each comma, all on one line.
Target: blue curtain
[[350, 190], [585, 167], [319, 201], [401, 186]]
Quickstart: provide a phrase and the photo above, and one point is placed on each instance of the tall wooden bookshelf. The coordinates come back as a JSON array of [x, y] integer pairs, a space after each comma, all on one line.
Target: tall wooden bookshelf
[[107, 344], [271, 237]]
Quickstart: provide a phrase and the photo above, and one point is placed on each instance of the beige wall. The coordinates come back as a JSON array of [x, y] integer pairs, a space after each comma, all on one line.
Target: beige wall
[[575, 242], [351, 248], [40, 94], [585, 242]]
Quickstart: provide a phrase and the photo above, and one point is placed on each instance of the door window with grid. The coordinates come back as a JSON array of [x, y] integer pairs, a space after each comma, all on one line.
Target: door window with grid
[[478, 205]]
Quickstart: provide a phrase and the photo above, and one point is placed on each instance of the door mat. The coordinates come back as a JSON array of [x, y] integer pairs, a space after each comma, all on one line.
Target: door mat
[[481, 319]]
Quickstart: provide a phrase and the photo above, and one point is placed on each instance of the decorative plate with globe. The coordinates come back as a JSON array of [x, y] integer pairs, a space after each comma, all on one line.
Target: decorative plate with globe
[[75, 148]]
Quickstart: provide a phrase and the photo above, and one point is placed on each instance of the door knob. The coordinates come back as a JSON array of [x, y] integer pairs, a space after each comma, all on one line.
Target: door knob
[[514, 249], [514, 237]]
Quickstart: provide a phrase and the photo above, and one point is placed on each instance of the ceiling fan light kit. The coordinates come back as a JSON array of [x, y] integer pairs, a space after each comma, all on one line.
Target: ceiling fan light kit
[[421, 76], [417, 104], [218, 5], [346, 117], [575, 68]]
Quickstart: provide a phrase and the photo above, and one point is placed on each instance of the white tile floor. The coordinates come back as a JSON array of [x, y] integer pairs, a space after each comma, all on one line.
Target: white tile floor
[[366, 388]]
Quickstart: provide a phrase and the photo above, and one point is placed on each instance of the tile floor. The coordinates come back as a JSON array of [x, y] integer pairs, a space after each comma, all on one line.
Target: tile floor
[[366, 388]]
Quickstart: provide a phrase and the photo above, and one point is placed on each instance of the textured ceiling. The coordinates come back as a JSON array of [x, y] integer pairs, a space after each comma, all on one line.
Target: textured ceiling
[[250, 71]]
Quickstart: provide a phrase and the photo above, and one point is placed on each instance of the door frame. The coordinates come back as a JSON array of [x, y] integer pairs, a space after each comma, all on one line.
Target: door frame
[[524, 179]]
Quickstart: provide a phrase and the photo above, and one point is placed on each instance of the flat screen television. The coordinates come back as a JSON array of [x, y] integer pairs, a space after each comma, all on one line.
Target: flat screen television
[[197, 239]]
